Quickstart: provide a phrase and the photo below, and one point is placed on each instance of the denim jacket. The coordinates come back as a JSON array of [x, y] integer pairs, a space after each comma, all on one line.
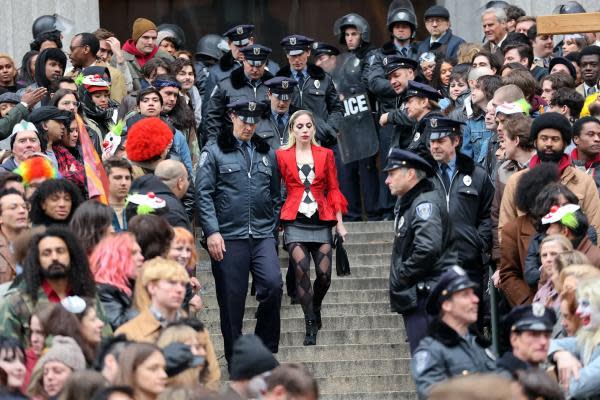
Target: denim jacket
[[476, 138]]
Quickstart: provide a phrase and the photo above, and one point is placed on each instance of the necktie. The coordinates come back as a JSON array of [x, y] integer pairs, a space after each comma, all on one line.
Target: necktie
[[300, 80], [281, 126], [403, 52], [248, 155], [591, 90], [445, 178]]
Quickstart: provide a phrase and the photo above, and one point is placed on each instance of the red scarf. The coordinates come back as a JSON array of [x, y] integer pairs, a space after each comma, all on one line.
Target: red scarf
[[588, 164], [140, 57], [564, 162]]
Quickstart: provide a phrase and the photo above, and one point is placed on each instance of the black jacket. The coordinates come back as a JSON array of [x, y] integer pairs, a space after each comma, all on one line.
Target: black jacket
[[422, 247], [233, 200], [176, 215], [508, 365], [443, 353], [232, 88], [116, 304], [317, 94], [469, 201]]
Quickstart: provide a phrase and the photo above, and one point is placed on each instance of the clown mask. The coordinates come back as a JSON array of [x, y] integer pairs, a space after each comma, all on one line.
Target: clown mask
[[589, 314]]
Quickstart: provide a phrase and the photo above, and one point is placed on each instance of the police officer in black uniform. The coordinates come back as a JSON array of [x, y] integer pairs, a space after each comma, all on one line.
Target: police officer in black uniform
[[238, 190], [530, 328], [273, 127], [422, 249], [468, 191], [325, 56], [315, 91], [245, 82], [452, 346]]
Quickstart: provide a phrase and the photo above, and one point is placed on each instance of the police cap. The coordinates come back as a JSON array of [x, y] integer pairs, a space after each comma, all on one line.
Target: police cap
[[453, 280], [440, 127], [392, 63], [248, 111], [437, 11], [417, 89], [399, 158], [256, 54], [531, 317], [296, 44], [319, 48], [240, 34], [282, 87]]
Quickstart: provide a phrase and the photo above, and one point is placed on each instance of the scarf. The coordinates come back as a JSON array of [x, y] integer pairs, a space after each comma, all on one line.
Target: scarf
[[140, 57], [564, 162]]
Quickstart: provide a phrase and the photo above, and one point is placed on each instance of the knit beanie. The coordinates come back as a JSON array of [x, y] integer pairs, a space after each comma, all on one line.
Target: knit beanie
[[551, 120], [250, 358], [65, 350], [141, 26], [147, 139]]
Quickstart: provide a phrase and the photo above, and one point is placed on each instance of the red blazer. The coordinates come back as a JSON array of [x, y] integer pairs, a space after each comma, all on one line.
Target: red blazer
[[325, 187]]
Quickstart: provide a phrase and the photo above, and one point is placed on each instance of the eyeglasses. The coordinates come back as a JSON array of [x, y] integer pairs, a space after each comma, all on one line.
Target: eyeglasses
[[72, 49]]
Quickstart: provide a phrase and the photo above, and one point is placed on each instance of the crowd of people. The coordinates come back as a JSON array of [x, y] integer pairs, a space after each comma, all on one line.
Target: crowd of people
[[483, 154]]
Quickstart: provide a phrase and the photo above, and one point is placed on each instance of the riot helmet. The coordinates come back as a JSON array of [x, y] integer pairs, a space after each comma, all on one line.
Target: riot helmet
[[356, 21], [402, 11], [212, 46], [570, 7], [50, 23]]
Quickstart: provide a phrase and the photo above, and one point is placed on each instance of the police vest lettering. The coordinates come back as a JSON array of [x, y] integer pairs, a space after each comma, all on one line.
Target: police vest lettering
[[355, 105]]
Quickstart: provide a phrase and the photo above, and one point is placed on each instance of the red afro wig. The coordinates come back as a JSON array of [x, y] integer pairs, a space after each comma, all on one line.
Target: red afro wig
[[147, 139]]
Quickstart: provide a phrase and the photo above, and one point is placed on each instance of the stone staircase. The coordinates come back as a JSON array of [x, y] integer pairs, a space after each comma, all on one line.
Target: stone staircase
[[361, 351]]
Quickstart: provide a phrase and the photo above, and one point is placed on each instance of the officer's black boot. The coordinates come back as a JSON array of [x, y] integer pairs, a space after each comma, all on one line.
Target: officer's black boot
[[318, 319], [311, 330]]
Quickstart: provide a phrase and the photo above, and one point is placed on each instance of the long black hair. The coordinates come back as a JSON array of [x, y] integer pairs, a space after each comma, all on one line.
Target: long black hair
[[90, 223], [79, 276], [45, 190]]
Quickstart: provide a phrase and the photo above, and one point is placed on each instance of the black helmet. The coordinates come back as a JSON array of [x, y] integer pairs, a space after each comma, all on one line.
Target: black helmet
[[570, 7], [172, 31], [44, 24], [352, 20], [402, 11], [212, 45]]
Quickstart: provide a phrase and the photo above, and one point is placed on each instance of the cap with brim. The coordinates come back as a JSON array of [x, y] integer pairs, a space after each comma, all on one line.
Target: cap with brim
[[532, 317], [453, 280], [296, 44], [256, 54], [248, 112], [438, 127], [282, 87], [416, 89], [556, 214], [10, 97], [240, 34], [393, 63], [47, 113], [563, 61], [437, 11], [399, 158], [320, 48]]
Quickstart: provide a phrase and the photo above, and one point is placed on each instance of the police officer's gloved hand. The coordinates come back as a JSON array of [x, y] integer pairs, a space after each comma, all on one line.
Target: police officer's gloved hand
[[179, 357]]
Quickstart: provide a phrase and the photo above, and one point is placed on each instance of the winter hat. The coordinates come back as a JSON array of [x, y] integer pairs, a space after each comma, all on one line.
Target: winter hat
[[147, 139], [551, 120], [21, 127], [250, 358], [141, 26], [65, 350]]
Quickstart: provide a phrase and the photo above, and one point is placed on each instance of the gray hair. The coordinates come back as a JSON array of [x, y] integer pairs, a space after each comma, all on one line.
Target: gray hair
[[500, 14]]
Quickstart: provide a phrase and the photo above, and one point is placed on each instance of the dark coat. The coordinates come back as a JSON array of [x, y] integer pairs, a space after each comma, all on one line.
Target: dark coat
[[116, 304], [232, 88], [176, 215], [448, 44], [317, 94], [422, 248], [443, 353], [233, 200], [508, 365], [468, 201]]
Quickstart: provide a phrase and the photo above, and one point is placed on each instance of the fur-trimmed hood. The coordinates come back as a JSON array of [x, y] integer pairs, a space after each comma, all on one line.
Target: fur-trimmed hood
[[449, 337], [238, 78], [227, 62], [389, 48], [313, 71], [228, 143]]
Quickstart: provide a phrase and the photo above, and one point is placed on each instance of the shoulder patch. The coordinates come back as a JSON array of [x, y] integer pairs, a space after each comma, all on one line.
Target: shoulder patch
[[424, 210], [421, 361], [203, 158]]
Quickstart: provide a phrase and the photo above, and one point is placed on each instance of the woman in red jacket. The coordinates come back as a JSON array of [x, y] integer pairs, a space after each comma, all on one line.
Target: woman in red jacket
[[314, 204]]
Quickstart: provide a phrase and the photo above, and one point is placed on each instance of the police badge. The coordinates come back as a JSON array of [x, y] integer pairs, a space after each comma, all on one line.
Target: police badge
[[256, 51], [293, 41], [467, 180], [417, 136], [285, 84], [424, 211], [315, 45], [265, 161], [240, 30], [538, 309], [251, 106], [433, 122], [317, 83]]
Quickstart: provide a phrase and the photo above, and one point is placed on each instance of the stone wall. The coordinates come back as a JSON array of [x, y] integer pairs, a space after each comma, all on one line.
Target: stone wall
[[17, 16]]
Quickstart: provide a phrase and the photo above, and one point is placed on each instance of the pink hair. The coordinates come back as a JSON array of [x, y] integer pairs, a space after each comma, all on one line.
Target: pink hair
[[111, 261], [183, 235]]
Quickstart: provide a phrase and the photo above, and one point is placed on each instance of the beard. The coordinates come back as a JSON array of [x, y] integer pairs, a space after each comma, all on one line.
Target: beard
[[56, 270], [554, 157]]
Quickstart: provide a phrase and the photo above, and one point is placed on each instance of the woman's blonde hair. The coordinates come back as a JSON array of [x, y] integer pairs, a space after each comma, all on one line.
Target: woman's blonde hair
[[467, 51], [563, 241], [156, 269], [588, 339], [291, 138], [578, 271], [180, 334]]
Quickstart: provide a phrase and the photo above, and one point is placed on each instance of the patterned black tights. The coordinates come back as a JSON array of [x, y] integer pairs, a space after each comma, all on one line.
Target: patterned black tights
[[311, 297]]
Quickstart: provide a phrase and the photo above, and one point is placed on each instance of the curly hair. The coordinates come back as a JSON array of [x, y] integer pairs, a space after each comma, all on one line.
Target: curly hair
[[531, 183], [111, 261], [547, 197], [90, 223], [45, 190], [79, 276]]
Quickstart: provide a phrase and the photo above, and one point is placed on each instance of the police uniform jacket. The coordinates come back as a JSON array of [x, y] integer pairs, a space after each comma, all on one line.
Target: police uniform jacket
[[317, 94], [379, 84], [233, 88], [233, 200], [508, 365], [422, 247], [469, 202], [443, 353]]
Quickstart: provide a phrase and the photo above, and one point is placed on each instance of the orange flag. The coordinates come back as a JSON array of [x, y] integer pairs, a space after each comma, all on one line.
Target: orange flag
[[97, 181]]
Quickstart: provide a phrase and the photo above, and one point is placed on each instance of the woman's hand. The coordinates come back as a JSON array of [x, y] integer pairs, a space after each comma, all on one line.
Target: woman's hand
[[196, 303], [496, 279], [195, 284], [341, 230], [568, 367]]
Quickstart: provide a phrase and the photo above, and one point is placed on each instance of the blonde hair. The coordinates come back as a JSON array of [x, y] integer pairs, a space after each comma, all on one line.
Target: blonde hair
[[578, 271], [153, 270], [563, 241], [180, 334], [467, 51], [291, 138], [9, 58], [588, 340]]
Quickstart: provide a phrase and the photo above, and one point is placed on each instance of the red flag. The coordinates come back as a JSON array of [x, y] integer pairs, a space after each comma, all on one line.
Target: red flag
[[97, 181]]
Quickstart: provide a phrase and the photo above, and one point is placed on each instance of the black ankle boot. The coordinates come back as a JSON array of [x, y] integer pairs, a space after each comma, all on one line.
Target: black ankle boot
[[311, 332], [318, 319]]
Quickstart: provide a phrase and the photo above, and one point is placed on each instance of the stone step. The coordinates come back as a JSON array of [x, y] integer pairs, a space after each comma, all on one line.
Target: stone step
[[403, 395], [350, 352], [332, 369], [382, 321], [291, 311], [376, 226], [331, 337], [368, 383], [332, 297]]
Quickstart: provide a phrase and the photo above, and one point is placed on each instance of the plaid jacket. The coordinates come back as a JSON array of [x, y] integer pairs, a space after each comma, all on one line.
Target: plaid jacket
[[68, 166]]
